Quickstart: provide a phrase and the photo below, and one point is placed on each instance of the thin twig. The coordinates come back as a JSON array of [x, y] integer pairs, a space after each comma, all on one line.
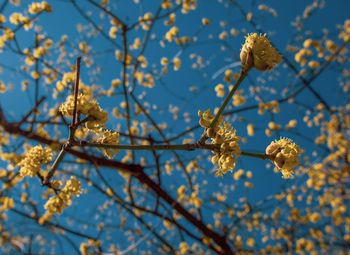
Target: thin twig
[[76, 90]]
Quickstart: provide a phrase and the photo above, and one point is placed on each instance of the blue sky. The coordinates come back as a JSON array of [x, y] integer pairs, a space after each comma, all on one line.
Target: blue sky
[[64, 20]]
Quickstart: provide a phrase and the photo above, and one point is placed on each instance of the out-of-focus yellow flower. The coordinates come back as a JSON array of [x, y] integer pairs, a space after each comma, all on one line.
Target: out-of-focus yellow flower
[[172, 34], [56, 204], [108, 137], [183, 248], [6, 203], [250, 129], [34, 158], [205, 22], [37, 7], [220, 90], [91, 247], [177, 63], [314, 64]]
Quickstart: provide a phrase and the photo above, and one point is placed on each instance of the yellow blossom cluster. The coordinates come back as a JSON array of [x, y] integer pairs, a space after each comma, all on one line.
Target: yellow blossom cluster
[[220, 90], [187, 5], [2, 87], [6, 203], [250, 129], [258, 52], [167, 4], [90, 247], [34, 158], [113, 32], [2, 19], [17, 18], [238, 99], [87, 106], [177, 63], [269, 106], [119, 56], [345, 32], [37, 7], [206, 119], [325, 48], [183, 248], [284, 154], [224, 137], [334, 166], [146, 80], [264, 7], [108, 137], [67, 79], [205, 21], [7, 35], [172, 34], [301, 55], [56, 204], [146, 20], [192, 199]]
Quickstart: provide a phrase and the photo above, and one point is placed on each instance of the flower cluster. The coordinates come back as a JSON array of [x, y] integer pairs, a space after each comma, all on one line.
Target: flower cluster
[[345, 33], [284, 154], [172, 34], [269, 106], [35, 157], [37, 7], [56, 204], [224, 137], [7, 35], [258, 52], [90, 247], [66, 79], [87, 106], [188, 5], [108, 137], [18, 18], [6, 203], [206, 119]]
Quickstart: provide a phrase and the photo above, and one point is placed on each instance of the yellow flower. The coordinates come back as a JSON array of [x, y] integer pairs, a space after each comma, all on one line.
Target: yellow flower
[[6, 203], [38, 7], [183, 248], [250, 129], [226, 140], [172, 34], [314, 64], [206, 118], [205, 21], [177, 63], [258, 52], [108, 137], [35, 157], [89, 107], [90, 247], [56, 204], [284, 154]]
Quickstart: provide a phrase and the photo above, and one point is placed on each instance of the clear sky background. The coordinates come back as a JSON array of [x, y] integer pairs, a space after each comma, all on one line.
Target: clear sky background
[[176, 88]]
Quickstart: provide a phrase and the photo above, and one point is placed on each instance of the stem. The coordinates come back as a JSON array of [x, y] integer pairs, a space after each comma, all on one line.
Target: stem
[[54, 166], [255, 155], [76, 90], [244, 73], [228, 98], [72, 127], [186, 147]]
